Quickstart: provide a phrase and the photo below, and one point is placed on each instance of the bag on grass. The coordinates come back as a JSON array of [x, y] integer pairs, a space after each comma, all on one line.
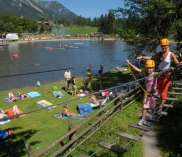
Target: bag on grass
[[84, 108]]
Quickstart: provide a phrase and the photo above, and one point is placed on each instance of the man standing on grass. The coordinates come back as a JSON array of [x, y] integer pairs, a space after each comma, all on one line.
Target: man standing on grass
[[67, 76]]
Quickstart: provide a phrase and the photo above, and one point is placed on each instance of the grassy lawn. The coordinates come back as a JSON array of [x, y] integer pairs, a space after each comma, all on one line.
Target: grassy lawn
[[77, 30], [40, 128]]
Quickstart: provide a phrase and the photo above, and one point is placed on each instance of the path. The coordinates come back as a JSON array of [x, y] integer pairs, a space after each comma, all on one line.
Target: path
[[150, 143]]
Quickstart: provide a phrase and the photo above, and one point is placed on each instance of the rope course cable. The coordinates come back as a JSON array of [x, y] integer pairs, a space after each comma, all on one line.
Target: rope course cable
[[63, 102]]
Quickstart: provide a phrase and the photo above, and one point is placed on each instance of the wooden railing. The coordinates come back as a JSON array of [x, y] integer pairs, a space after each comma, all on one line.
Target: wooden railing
[[120, 104]]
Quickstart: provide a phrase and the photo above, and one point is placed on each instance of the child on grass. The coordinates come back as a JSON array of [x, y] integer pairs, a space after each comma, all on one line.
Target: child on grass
[[149, 100]]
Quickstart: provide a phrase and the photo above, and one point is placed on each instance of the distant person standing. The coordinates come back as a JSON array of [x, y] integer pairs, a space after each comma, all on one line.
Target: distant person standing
[[73, 82], [67, 76]]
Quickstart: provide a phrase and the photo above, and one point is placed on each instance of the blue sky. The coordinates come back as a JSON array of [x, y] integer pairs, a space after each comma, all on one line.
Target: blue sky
[[90, 8]]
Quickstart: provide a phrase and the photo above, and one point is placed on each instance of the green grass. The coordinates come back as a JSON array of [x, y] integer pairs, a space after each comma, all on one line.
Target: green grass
[[41, 128], [77, 30]]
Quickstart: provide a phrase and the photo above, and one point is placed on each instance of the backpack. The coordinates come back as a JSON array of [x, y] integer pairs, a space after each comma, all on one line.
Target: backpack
[[84, 108]]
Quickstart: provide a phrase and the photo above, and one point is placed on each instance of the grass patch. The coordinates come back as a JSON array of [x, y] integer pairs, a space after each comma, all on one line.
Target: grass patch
[[41, 128]]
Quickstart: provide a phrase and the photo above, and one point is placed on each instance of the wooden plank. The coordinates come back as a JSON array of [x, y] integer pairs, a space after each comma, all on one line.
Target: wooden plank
[[164, 113], [82, 155], [172, 99], [176, 88], [139, 127], [168, 105], [131, 137], [153, 120], [112, 147], [174, 93], [178, 83]]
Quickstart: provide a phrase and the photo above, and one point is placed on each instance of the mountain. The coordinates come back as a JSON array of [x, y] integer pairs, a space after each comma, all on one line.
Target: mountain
[[36, 9]]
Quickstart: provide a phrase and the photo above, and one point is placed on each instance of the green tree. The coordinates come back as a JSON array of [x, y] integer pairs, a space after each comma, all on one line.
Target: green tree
[[146, 22]]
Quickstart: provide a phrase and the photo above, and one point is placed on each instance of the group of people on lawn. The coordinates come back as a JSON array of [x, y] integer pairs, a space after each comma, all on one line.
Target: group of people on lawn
[[154, 81]]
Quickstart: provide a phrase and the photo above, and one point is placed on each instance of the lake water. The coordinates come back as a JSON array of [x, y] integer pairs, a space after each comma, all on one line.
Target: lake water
[[35, 62]]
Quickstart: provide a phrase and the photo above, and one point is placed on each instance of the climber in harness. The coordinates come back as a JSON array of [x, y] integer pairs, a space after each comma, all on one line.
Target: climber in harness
[[150, 91], [165, 58]]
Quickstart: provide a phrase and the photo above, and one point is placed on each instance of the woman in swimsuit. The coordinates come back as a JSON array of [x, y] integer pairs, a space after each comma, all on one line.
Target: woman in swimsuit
[[23, 96], [11, 97], [67, 113]]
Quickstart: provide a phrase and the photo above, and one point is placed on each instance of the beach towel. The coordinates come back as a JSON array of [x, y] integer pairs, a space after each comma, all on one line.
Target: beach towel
[[7, 99], [57, 94], [33, 94], [4, 121], [45, 103], [59, 115]]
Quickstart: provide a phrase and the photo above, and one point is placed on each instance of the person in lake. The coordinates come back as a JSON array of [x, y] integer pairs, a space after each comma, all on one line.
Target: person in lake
[[149, 100], [165, 58]]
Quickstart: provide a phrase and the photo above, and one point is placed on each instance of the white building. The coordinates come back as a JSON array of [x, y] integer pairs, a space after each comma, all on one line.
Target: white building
[[12, 36]]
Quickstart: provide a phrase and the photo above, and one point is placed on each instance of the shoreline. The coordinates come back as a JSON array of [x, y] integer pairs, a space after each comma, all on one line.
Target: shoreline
[[39, 40]]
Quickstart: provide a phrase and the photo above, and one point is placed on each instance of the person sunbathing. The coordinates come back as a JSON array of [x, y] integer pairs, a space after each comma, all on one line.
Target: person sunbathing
[[67, 113], [11, 97], [23, 96], [93, 99], [120, 68]]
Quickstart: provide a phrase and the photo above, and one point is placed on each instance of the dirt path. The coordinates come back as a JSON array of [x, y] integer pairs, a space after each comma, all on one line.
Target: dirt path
[[150, 143]]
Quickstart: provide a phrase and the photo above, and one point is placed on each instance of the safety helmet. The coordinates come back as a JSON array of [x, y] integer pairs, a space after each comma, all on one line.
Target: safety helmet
[[164, 41], [149, 64]]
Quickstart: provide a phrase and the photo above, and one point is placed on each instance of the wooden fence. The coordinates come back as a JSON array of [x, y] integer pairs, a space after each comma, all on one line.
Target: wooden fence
[[121, 101]]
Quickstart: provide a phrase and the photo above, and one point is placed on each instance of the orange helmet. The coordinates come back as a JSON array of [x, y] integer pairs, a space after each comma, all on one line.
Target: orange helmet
[[164, 41], [149, 64]]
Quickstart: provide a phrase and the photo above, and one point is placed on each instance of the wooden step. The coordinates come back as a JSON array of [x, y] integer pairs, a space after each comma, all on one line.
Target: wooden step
[[112, 147], [176, 88], [82, 155], [164, 113], [174, 93], [168, 105], [131, 137], [139, 127], [178, 83], [153, 120], [171, 99]]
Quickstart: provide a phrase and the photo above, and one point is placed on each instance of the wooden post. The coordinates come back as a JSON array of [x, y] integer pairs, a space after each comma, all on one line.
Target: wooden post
[[29, 152], [71, 126]]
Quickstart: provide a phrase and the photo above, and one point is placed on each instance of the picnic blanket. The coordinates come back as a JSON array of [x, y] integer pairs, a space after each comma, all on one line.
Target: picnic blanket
[[45, 103], [57, 94], [59, 115], [4, 121]]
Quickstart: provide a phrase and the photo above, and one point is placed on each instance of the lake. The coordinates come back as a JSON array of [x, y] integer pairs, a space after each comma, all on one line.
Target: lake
[[35, 61]]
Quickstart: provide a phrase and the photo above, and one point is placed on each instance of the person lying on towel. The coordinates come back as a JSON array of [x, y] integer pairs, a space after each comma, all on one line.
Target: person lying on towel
[[93, 99], [67, 113], [11, 97], [23, 96]]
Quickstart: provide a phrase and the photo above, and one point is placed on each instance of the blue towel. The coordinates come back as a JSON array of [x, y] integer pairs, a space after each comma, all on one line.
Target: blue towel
[[59, 115], [33, 94], [6, 99]]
